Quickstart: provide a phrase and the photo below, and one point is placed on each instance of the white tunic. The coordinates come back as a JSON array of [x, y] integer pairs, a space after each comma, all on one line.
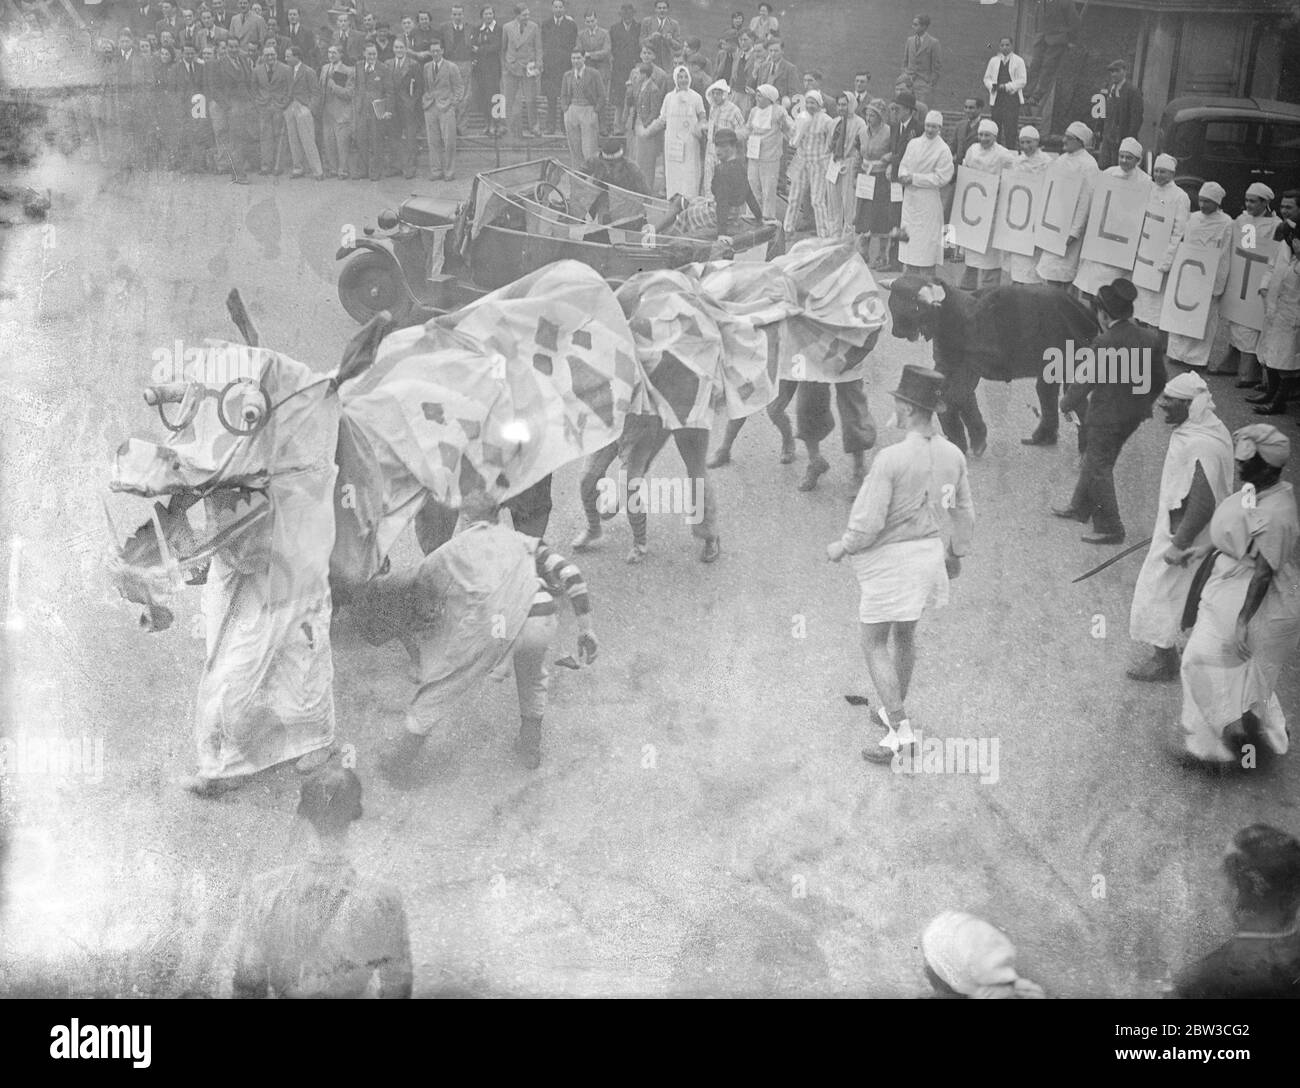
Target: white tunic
[[1093, 275], [929, 162], [1243, 337], [1062, 269], [993, 161], [683, 116], [1023, 267], [1280, 340], [1166, 200], [1161, 589], [1213, 232]]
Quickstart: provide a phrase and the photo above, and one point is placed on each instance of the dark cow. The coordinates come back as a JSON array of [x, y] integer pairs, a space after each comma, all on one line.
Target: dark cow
[[999, 333]]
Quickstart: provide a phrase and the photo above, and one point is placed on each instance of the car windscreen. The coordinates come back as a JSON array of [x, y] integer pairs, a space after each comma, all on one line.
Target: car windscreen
[[1230, 141]]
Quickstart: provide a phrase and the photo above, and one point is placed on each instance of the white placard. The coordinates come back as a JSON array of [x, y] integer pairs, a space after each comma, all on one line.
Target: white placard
[[1060, 195], [1189, 290], [1157, 230], [1115, 222], [1020, 195], [974, 201], [865, 189]]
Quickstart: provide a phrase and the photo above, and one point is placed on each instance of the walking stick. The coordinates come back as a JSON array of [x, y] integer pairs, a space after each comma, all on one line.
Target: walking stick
[[1112, 559]]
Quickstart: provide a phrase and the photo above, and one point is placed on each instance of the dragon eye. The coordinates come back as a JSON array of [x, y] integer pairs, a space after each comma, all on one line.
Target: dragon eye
[[243, 407]]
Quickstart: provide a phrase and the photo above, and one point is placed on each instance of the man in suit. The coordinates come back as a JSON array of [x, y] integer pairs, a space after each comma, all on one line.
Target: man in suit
[[559, 36], [779, 72], [645, 97], [521, 74], [593, 40], [220, 16], [248, 26], [231, 106], [298, 120], [458, 49], [416, 42], [582, 98], [443, 90], [301, 38], [277, 39], [487, 42], [1123, 113], [1110, 411], [270, 98], [373, 103], [169, 21], [922, 60], [191, 106], [1004, 79], [338, 86], [625, 54], [209, 33], [965, 132], [663, 35], [143, 19], [189, 32], [351, 43], [408, 91]]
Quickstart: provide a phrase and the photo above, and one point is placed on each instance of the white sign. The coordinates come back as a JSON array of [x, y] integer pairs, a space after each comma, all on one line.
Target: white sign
[[1115, 221], [1242, 303], [974, 201], [1189, 290], [1060, 195], [1157, 230], [1020, 195]]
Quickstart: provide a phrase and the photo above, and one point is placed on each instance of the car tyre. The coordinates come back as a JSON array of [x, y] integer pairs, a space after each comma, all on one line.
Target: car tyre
[[371, 283]]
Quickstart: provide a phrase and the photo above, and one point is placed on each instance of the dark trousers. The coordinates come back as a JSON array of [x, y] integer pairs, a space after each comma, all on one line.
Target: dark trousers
[[408, 123], [1094, 494], [1006, 115], [961, 418], [812, 413], [1043, 65], [551, 92], [369, 137]]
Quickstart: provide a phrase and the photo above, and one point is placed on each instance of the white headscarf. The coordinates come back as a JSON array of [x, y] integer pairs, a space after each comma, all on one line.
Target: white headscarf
[[1201, 439], [974, 958], [682, 68]]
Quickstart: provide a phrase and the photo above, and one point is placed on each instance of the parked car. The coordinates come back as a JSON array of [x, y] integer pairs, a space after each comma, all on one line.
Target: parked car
[[1233, 141], [432, 255]]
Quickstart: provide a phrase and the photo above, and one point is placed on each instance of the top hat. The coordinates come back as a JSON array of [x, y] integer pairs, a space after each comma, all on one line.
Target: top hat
[[1117, 298], [920, 386]]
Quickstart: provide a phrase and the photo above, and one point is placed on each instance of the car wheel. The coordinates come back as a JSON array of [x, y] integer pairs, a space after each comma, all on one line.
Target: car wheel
[[371, 283]]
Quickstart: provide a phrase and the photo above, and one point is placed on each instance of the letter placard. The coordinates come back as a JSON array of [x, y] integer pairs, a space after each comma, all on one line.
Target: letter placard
[[1157, 230], [974, 200], [1020, 195], [1060, 195], [1242, 302], [1115, 221], [1188, 290]]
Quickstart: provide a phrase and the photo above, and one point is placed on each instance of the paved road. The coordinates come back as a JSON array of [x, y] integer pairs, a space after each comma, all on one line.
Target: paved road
[[702, 822]]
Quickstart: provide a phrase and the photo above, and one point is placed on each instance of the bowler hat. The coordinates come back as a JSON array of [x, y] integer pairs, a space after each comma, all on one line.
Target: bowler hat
[[1117, 298], [905, 98], [920, 386]]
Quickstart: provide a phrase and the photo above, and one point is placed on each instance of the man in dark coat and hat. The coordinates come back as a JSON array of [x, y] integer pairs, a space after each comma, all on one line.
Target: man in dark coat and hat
[[1112, 387]]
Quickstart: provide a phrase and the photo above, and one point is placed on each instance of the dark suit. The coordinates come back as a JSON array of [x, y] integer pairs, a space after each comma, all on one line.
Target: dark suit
[[624, 53], [665, 40], [1114, 410], [304, 41], [408, 94], [368, 130], [230, 90], [1123, 119], [558, 41], [195, 132], [487, 44], [270, 97]]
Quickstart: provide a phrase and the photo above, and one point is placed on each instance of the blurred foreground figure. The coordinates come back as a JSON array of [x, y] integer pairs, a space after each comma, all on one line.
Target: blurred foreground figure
[[967, 957], [319, 928]]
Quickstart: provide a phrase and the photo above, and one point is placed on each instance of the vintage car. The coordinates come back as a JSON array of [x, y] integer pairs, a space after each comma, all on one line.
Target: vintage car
[[433, 255], [1233, 141]]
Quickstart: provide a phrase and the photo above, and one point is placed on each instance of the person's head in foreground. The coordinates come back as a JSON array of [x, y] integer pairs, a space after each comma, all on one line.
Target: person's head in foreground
[[1262, 868], [331, 801], [967, 957], [1261, 452], [1115, 301]]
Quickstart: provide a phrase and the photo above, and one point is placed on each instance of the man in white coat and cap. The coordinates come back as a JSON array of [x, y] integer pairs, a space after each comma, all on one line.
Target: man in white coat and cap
[[1167, 201], [1075, 159], [989, 157], [1197, 477], [1253, 232], [926, 168], [1023, 267], [1092, 274], [1211, 227]]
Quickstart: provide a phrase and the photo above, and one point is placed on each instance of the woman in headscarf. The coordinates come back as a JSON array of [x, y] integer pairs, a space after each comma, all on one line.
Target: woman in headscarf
[[723, 114], [1197, 476], [812, 155], [681, 120], [1247, 616], [1279, 343], [967, 957], [926, 167], [874, 217], [765, 134], [846, 154]]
